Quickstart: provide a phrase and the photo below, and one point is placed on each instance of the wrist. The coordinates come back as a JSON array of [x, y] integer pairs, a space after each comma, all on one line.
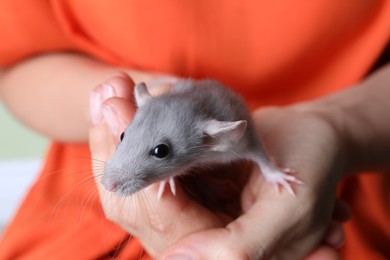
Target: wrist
[[360, 116], [334, 117]]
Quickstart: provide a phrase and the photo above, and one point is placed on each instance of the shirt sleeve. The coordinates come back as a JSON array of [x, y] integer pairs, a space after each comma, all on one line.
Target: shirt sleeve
[[28, 28]]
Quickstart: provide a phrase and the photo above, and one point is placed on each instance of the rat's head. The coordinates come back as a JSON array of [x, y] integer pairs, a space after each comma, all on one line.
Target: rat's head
[[164, 139]]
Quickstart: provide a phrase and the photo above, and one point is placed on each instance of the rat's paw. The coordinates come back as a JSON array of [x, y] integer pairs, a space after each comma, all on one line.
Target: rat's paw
[[161, 189], [281, 177]]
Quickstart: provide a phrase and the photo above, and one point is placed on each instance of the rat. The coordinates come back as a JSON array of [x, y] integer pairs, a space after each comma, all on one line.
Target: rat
[[196, 122]]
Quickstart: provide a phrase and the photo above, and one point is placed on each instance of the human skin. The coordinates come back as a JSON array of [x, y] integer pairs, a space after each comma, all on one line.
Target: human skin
[[62, 91], [323, 139], [256, 233], [261, 205]]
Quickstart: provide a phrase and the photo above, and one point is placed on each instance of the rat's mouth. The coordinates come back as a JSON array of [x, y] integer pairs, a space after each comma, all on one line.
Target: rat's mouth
[[129, 188]]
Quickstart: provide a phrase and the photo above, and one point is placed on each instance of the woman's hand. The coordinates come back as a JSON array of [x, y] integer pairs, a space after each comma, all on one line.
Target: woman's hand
[[280, 225], [157, 224], [270, 224]]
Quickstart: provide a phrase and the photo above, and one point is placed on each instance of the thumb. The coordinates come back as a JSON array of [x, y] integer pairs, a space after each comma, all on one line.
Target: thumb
[[209, 244], [244, 238], [261, 232]]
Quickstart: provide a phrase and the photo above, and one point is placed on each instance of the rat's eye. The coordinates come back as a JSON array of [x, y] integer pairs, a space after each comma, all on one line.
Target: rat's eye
[[122, 135], [160, 151]]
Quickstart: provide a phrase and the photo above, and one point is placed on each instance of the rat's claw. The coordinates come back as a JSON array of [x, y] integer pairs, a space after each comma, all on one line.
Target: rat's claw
[[161, 188], [281, 177], [287, 186], [172, 185], [289, 171], [293, 179]]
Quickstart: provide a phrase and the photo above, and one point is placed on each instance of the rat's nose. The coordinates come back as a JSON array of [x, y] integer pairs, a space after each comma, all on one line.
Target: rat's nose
[[110, 183]]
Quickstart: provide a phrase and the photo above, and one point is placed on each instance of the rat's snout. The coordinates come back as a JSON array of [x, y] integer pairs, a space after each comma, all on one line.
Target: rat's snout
[[110, 182]]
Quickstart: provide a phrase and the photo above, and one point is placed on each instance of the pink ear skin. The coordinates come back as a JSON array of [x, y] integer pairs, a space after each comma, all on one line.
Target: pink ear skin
[[141, 94], [224, 134]]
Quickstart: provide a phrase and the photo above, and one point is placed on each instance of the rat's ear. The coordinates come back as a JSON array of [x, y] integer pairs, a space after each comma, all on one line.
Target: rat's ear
[[141, 94], [222, 135]]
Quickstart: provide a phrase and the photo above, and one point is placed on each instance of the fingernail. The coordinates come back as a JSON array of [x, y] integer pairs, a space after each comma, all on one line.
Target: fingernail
[[108, 91], [178, 257], [119, 74], [95, 102], [111, 118]]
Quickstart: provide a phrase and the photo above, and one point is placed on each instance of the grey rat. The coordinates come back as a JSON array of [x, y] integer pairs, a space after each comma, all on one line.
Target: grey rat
[[193, 123]]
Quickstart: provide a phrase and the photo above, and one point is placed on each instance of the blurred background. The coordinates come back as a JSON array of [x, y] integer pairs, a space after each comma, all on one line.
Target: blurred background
[[21, 154]]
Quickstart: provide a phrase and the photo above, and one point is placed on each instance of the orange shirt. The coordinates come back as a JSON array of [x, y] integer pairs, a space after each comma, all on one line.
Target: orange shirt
[[272, 52]]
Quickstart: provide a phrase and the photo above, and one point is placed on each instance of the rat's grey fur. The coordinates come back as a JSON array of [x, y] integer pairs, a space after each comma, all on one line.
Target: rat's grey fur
[[178, 118]]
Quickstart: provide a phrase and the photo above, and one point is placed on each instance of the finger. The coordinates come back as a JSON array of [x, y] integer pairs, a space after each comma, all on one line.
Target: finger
[[206, 246], [203, 245], [249, 238], [119, 85], [122, 84], [104, 136], [245, 238], [109, 116], [323, 253], [100, 143], [117, 113], [110, 112], [98, 131], [170, 219], [163, 222], [334, 236]]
